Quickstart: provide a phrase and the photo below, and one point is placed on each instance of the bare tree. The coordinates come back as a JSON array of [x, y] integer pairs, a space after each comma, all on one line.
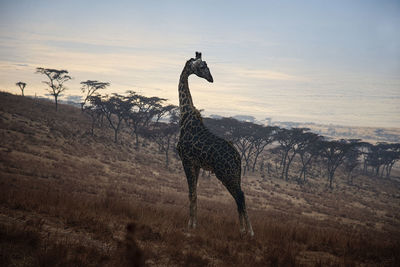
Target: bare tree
[[57, 78], [89, 88], [21, 86]]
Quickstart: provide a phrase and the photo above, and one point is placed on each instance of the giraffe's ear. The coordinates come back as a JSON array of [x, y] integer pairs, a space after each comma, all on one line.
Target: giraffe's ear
[[198, 55]]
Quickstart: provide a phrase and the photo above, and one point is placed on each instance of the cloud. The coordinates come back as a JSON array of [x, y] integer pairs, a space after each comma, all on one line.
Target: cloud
[[246, 71], [270, 75]]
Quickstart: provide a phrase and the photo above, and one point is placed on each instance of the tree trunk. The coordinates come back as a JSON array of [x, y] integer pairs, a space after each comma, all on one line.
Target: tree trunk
[[255, 160], [137, 140], [365, 170], [101, 120], [115, 135], [253, 168], [56, 100], [166, 154], [383, 169], [302, 173], [389, 170], [93, 123], [283, 162], [288, 166], [287, 171], [330, 175]]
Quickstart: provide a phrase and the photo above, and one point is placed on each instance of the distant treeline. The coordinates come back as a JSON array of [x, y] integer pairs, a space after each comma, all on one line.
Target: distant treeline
[[265, 149]]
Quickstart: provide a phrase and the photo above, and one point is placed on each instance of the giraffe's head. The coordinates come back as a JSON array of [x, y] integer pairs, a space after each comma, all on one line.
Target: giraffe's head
[[199, 67]]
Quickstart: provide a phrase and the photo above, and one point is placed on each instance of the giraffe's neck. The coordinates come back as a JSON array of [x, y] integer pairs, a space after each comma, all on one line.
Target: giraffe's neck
[[185, 98]]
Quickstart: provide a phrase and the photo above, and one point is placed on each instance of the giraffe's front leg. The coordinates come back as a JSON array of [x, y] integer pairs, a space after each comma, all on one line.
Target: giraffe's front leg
[[192, 174]]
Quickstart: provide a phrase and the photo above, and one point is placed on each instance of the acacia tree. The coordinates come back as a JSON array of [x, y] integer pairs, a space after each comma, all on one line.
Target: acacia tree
[[334, 153], [244, 140], [365, 149], [352, 159], [375, 157], [164, 134], [262, 137], [290, 141], [393, 157], [298, 142], [114, 109], [94, 111], [57, 78], [141, 113], [308, 152], [21, 86], [382, 157], [89, 88], [285, 144], [166, 111]]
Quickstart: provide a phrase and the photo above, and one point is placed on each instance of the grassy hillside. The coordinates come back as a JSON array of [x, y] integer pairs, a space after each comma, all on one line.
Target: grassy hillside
[[72, 199]]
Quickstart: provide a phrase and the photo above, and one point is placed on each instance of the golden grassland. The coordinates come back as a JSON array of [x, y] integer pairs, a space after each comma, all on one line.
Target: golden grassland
[[70, 199]]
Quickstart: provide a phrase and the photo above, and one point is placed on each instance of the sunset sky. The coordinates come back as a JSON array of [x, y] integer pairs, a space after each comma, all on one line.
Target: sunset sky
[[316, 61]]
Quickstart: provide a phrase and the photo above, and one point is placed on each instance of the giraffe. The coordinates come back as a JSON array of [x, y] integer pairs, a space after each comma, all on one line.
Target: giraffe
[[199, 148]]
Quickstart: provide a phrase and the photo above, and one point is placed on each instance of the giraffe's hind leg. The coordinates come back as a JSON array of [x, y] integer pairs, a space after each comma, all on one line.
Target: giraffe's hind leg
[[237, 193], [241, 203], [192, 174]]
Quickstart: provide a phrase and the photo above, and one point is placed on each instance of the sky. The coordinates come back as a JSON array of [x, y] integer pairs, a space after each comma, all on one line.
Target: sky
[[329, 62]]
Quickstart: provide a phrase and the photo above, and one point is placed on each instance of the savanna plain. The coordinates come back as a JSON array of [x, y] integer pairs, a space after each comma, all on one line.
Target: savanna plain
[[68, 198]]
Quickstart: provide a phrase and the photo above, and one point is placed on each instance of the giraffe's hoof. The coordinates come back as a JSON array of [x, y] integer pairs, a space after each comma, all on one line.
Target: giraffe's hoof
[[251, 233], [242, 232], [191, 224]]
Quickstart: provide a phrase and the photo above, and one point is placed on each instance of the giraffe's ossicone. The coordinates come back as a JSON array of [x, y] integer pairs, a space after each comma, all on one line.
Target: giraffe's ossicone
[[199, 148]]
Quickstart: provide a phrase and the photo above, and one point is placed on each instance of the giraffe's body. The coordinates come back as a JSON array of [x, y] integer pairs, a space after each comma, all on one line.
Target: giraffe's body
[[199, 148]]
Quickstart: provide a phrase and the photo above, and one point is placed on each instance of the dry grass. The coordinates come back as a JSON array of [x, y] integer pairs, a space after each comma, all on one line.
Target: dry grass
[[69, 199]]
